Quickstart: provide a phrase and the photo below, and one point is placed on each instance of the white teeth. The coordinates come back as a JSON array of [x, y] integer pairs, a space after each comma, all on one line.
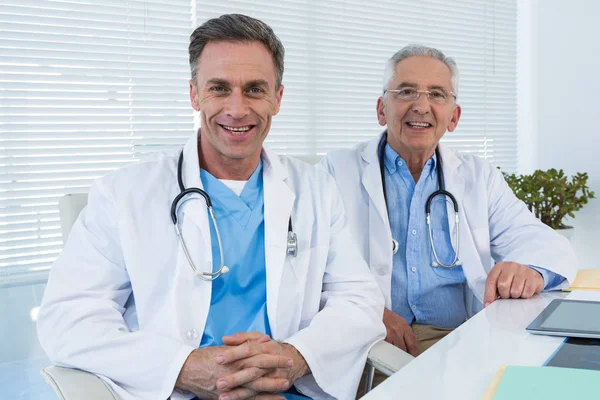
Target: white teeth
[[420, 124], [240, 129]]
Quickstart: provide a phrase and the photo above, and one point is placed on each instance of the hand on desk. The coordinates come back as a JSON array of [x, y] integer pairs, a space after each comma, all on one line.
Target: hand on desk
[[511, 280], [239, 370], [399, 332]]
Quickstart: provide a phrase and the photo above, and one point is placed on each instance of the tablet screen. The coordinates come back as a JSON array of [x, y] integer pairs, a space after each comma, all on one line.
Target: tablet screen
[[578, 316]]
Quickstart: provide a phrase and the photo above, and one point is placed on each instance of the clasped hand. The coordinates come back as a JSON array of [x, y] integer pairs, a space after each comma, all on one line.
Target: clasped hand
[[249, 366]]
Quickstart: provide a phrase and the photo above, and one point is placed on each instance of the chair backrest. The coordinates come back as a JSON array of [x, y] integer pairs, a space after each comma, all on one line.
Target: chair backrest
[[69, 206], [309, 159]]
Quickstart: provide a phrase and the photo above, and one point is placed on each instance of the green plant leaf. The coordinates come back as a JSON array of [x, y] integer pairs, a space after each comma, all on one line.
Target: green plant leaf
[[550, 195]]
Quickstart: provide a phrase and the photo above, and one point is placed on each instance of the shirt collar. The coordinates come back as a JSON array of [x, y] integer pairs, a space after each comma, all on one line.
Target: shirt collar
[[393, 160]]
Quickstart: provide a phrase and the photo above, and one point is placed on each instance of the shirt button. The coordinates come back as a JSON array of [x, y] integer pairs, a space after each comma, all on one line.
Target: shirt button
[[191, 334], [413, 269], [414, 232], [399, 163], [413, 307]]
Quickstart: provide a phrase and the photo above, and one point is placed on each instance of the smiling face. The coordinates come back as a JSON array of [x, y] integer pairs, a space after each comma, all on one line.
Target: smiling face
[[237, 95], [416, 127]]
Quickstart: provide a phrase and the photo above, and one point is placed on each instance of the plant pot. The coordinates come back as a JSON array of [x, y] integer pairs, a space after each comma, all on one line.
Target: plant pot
[[566, 232]]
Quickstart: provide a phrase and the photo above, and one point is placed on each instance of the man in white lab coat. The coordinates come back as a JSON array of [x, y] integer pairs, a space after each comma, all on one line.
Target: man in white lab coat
[[266, 298], [434, 276]]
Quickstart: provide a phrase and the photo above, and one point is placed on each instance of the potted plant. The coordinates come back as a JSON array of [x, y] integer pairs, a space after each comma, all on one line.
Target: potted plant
[[551, 196]]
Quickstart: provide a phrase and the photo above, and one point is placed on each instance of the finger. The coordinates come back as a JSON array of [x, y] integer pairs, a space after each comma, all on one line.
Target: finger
[[529, 289], [411, 343], [538, 281], [239, 338], [267, 361], [236, 353], [266, 384], [401, 344], [269, 396], [241, 393], [239, 378], [397, 341], [491, 285], [504, 282], [517, 286]]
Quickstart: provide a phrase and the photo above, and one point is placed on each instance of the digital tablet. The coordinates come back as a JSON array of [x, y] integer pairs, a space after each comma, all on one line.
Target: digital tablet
[[572, 318]]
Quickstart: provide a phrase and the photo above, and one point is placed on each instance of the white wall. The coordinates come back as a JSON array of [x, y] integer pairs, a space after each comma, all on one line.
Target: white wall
[[568, 109], [527, 85]]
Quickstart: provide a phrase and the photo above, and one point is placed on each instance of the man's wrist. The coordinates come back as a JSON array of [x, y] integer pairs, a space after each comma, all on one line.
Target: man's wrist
[[300, 367], [192, 370]]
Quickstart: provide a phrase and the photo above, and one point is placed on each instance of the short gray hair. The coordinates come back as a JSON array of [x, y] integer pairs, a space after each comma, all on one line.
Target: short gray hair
[[419, 50], [236, 28]]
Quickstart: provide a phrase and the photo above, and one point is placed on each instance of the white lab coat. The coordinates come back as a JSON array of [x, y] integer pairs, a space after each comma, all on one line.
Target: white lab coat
[[493, 222], [122, 301]]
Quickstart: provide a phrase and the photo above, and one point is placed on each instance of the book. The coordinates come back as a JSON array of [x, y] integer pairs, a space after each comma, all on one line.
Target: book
[[586, 279], [544, 383]]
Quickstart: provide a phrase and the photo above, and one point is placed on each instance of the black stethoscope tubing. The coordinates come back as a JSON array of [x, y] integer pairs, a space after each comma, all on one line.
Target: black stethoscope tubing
[[292, 240], [440, 192]]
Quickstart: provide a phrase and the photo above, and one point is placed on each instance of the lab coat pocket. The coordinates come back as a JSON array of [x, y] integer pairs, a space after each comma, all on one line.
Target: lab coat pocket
[[445, 255]]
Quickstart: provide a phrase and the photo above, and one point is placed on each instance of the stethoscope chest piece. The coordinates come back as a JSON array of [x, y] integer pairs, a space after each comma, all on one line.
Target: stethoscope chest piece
[[394, 246]]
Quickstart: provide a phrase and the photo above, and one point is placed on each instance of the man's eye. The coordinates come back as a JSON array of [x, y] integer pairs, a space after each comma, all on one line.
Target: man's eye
[[437, 94], [255, 90], [406, 92], [218, 89]]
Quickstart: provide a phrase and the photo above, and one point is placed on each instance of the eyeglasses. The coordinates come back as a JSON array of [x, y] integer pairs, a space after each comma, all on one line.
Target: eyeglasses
[[435, 96]]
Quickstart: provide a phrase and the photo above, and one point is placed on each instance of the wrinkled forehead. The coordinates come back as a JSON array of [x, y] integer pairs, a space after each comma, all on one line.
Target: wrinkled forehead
[[245, 61], [422, 72]]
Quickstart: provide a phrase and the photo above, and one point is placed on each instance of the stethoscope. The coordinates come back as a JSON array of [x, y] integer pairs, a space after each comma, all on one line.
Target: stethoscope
[[440, 192], [292, 239]]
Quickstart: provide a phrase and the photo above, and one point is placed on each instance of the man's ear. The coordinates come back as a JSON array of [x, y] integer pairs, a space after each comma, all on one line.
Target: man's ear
[[278, 96], [381, 112], [194, 96], [455, 117]]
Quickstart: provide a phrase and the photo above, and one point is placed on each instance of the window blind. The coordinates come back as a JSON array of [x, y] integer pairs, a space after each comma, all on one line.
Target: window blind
[[86, 87], [83, 85], [335, 56]]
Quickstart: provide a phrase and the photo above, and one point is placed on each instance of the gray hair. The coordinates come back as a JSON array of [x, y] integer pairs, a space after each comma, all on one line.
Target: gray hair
[[419, 50], [236, 28]]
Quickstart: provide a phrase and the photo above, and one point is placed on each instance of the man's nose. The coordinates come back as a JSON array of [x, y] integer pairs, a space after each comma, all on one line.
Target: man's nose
[[421, 105], [237, 105]]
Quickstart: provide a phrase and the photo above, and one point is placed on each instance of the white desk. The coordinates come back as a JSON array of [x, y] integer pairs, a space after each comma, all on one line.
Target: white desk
[[461, 365]]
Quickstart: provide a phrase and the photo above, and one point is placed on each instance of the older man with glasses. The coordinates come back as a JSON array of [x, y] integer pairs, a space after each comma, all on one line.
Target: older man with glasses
[[429, 219]]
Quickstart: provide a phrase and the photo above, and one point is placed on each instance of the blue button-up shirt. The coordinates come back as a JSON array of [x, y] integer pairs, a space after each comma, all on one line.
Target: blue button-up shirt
[[420, 292]]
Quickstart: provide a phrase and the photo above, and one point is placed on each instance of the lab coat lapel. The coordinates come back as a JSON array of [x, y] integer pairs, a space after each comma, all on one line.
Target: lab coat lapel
[[279, 200], [371, 179], [380, 235], [193, 207], [194, 302], [471, 262], [454, 184]]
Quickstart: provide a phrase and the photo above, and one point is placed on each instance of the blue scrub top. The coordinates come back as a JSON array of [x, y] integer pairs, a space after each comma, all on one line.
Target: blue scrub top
[[239, 298]]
